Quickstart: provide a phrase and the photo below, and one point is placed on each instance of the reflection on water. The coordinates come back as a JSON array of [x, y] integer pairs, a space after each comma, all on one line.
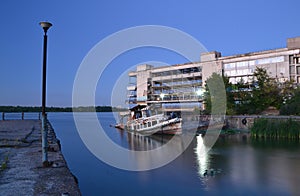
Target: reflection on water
[[202, 156], [241, 166]]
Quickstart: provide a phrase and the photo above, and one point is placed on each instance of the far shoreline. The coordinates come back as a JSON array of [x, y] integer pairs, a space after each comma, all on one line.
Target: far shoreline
[[19, 109]]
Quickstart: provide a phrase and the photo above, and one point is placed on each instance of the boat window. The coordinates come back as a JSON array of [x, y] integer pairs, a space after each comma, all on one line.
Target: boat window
[[154, 123], [149, 124]]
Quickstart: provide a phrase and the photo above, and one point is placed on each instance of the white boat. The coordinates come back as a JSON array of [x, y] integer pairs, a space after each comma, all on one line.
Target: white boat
[[143, 122]]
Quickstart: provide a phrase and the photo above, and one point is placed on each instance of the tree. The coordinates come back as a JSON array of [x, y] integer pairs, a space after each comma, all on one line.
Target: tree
[[254, 97], [266, 91], [292, 105], [217, 96], [242, 97]]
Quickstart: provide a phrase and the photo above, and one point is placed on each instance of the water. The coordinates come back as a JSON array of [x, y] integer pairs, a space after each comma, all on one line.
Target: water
[[240, 166]]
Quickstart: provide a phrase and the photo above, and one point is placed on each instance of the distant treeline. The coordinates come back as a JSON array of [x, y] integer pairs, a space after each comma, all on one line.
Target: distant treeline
[[60, 109]]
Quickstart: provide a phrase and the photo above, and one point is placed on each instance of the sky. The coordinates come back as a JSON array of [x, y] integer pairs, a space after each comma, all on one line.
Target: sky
[[228, 26]]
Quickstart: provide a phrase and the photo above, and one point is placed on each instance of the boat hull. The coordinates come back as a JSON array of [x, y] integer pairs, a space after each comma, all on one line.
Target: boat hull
[[172, 126]]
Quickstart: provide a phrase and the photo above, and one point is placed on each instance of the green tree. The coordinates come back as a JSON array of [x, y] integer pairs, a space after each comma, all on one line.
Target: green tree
[[230, 97], [217, 94], [242, 97], [292, 105], [266, 91]]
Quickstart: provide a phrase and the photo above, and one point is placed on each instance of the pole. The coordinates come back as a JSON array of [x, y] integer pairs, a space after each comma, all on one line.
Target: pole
[[44, 115], [44, 75], [44, 141], [45, 26]]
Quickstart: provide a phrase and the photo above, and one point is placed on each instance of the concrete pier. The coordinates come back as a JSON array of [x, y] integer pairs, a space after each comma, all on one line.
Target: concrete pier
[[21, 169]]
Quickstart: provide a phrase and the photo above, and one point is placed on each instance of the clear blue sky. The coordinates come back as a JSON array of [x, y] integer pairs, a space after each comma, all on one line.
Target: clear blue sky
[[228, 26]]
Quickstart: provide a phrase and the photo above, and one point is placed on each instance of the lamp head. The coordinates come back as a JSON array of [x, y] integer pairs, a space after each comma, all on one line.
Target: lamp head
[[45, 26]]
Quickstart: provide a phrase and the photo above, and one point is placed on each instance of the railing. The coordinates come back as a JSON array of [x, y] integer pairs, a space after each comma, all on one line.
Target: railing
[[20, 115], [188, 97]]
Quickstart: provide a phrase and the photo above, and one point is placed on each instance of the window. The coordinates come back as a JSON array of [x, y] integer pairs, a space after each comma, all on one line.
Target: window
[[251, 63], [233, 73], [292, 69], [298, 70], [229, 65], [254, 62], [242, 64]]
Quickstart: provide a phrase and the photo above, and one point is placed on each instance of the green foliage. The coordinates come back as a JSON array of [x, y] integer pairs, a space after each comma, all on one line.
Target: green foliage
[[262, 93], [4, 164], [267, 93], [275, 128], [215, 97], [242, 97], [253, 97], [292, 106]]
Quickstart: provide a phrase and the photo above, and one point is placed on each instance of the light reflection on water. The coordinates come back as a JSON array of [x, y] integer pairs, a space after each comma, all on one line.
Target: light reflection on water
[[246, 167], [202, 155]]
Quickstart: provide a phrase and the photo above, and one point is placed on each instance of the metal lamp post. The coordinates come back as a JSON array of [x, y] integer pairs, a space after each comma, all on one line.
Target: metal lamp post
[[45, 26]]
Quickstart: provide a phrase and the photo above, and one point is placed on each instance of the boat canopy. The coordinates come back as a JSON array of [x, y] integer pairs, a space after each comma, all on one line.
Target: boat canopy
[[137, 107]]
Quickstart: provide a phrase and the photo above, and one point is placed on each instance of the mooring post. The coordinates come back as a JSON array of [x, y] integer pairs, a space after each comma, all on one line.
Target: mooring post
[[22, 115], [3, 115]]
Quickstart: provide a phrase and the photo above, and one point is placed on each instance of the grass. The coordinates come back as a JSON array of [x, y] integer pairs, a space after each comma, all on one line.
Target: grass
[[276, 128], [4, 164]]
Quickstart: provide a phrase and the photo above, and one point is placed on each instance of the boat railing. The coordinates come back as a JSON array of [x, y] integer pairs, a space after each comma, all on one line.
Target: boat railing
[[143, 120]]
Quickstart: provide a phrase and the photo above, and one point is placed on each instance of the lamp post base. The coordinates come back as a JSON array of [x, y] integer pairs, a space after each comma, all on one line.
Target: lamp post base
[[47, 163], [44, 140]]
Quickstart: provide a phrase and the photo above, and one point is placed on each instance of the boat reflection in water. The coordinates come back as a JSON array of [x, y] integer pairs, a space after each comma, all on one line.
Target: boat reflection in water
[[158, 149]]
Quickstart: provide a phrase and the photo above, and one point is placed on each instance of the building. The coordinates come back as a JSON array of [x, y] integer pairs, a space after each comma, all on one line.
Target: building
[[282, 64], [184, 83], [168, 85]]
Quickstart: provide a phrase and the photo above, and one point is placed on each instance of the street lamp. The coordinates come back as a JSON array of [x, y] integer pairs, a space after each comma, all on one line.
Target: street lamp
[[45, 26]]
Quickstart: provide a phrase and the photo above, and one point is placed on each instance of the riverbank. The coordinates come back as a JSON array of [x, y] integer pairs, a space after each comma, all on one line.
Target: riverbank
[[21, 170]]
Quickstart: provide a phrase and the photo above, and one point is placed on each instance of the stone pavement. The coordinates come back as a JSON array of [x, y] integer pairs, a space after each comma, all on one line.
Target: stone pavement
[[21, 171]]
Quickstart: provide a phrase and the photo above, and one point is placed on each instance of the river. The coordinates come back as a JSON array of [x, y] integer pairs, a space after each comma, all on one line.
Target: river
[[236, 166]]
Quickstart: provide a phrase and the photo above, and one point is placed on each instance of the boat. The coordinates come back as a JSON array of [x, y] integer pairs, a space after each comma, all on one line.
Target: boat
[[119, 126], [141, 121]]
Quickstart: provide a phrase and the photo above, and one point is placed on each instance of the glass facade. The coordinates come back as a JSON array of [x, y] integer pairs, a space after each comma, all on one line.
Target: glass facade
[[177, 71], [243, 70], [251, 63]]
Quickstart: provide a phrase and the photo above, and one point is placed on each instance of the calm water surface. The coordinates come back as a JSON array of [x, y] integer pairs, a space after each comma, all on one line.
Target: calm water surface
[[240, 166]]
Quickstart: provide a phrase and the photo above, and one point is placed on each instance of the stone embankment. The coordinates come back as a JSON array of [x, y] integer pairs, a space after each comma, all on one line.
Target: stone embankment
[[245, 122], [21, 171]]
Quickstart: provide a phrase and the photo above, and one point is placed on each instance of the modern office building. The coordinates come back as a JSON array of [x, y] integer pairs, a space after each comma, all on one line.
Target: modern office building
[[184, 83]]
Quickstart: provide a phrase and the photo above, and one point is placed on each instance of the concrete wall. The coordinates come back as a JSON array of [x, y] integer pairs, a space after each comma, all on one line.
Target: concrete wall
[[238, 122], [143, 73], [208, 68], [293, 43], [210, 65]]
